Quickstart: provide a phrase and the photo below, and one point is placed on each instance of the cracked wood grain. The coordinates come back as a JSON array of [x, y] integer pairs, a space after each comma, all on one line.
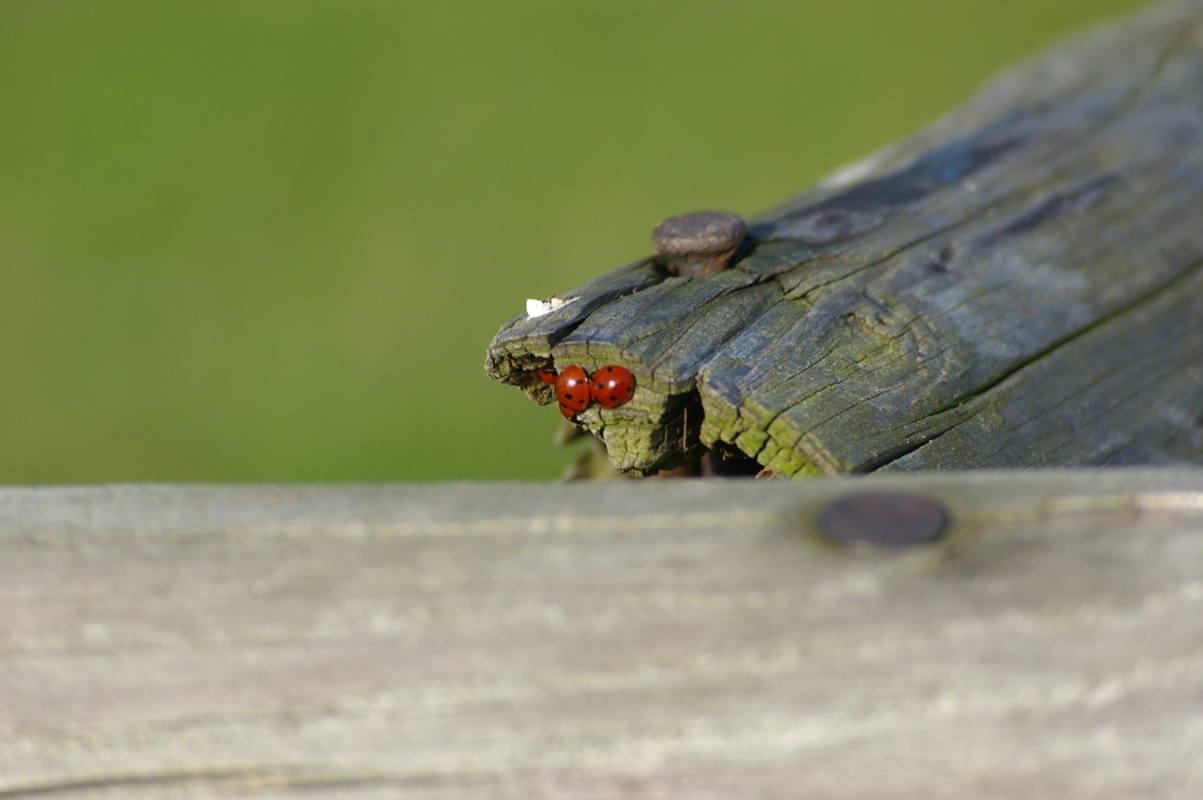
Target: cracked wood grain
[[1125, 392], [874, 314]]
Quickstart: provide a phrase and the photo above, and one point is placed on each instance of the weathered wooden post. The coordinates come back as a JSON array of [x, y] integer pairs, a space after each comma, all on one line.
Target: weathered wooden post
[[1017, 285]]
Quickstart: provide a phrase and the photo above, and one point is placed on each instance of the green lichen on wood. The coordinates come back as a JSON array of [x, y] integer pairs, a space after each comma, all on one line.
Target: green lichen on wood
[[1004, 259]]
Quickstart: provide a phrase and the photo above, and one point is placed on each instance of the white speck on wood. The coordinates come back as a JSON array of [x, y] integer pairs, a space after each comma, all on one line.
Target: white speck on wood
[[539, 308]]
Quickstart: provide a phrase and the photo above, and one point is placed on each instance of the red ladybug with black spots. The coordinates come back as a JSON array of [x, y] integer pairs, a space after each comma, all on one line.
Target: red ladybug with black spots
[[611, 386]]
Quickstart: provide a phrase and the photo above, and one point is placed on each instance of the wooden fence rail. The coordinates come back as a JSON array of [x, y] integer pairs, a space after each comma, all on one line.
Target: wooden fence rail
[[633, 639]]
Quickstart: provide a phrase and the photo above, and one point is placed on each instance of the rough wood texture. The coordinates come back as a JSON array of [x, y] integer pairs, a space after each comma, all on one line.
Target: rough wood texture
[[623, 640], [1017, 285]]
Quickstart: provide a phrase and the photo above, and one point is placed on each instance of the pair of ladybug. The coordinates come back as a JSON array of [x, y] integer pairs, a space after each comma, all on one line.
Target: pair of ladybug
[[610, 387]]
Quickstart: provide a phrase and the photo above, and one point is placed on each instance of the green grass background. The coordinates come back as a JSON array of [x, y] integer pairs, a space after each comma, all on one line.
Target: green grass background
[[246, 241]]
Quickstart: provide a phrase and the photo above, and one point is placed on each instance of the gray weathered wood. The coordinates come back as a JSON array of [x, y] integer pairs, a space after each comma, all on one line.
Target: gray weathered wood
[[976, 296], [647, 639]]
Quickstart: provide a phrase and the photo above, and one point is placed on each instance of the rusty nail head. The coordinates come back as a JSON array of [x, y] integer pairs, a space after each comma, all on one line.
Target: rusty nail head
[[699, 243], [879, 518]]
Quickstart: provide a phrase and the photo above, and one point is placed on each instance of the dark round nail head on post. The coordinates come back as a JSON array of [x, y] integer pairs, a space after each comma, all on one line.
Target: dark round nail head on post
[[699, 243], [880, 518]]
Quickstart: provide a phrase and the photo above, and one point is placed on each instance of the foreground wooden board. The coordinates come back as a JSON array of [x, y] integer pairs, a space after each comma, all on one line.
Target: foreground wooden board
[[644, 639], [1018, 285]]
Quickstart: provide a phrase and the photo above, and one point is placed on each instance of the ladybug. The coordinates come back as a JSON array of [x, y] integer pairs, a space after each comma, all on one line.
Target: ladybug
[[572, 390], [612, 386], [547, 376]]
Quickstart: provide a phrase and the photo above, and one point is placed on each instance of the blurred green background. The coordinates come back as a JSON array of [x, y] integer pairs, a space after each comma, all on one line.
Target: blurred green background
[[246, 241]]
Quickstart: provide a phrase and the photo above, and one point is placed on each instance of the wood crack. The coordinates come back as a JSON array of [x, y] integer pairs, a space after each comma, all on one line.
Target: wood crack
[[1035, 360]]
